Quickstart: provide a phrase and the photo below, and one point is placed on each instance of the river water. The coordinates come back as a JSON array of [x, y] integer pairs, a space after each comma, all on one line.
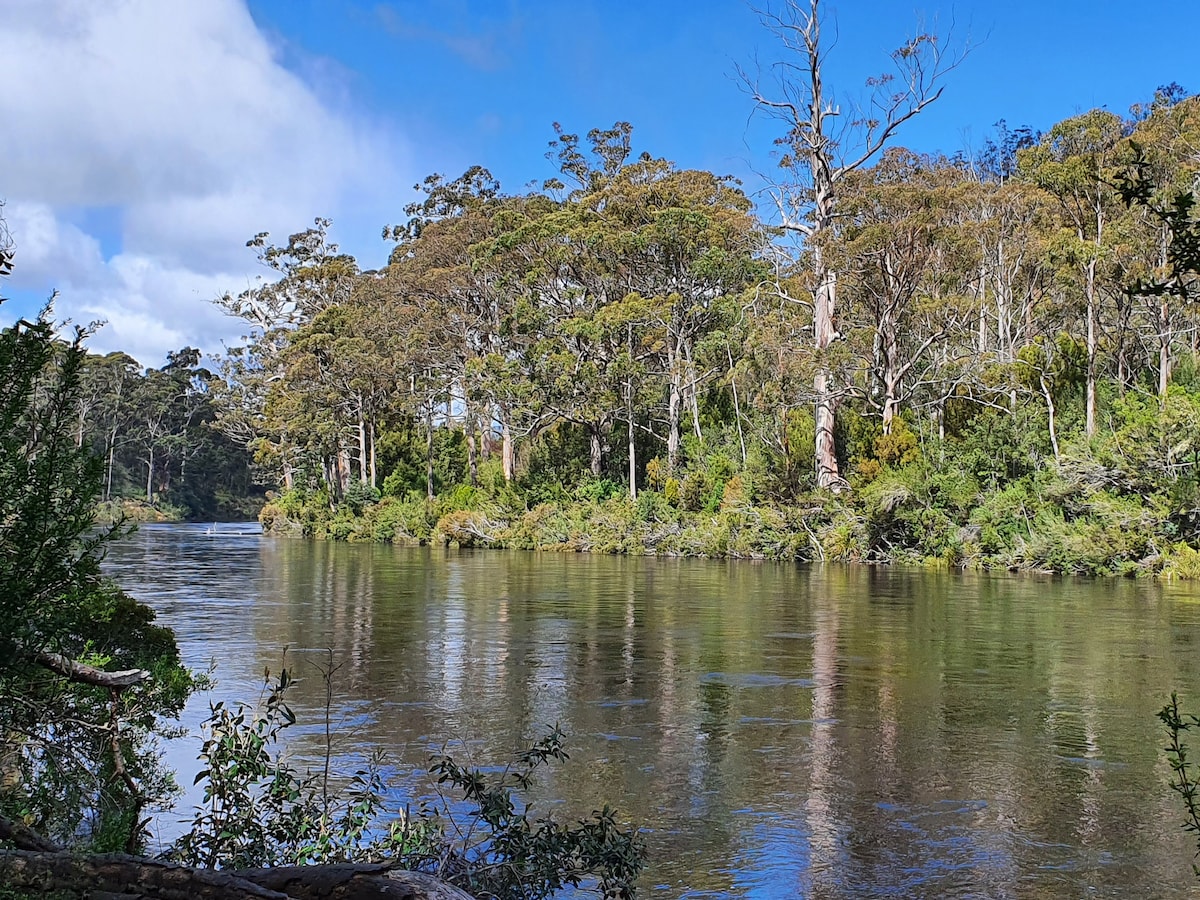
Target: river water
[[777, 730]]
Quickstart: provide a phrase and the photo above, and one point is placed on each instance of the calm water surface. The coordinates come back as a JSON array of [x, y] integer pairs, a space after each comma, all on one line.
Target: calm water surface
[[779, 730]]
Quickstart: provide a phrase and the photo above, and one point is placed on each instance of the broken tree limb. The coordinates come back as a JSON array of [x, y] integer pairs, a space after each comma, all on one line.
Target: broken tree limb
[[82, 673]]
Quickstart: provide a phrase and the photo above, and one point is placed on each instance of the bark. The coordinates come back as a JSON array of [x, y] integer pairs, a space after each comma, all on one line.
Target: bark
[[507, 456], [374, 471], [632, 447], [1090, 388], [1050, 416], [343, 471], [824, 301], [24, 838], [737, 412], [891, 368], [150, 476], [288, 478], [983, 332], [693, 393], [362, 446], [429, 453], [112, 449], [595, 450], [469, 428], [674, 401], [137, 878]]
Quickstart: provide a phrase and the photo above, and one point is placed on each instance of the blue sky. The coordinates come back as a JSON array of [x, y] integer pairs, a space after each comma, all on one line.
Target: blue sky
[[146, 140]]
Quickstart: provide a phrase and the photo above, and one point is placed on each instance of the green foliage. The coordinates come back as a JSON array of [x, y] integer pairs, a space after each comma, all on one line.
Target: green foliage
[[358, 495], [260, 810], [78, 758], [512, 856], [1183, 778], [1183, 563], [631, 291]]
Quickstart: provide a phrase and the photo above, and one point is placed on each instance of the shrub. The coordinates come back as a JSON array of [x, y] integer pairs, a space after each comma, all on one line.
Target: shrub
[[259, 810]]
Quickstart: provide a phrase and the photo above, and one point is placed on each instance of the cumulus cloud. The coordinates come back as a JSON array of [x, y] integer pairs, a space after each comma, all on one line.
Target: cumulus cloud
[[179, 119]]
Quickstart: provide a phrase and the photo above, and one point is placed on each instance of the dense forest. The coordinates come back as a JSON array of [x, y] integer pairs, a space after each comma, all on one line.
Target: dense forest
[[153, 429], [630, 358]]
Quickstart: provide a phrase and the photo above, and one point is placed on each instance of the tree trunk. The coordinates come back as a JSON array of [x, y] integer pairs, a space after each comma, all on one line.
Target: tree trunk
[[112, 449], [429, 453], [374, 471], [674, 400], [596, 450], [737, 413], [136, 878], [983, 334], [469, 428], [891, 370], [1090, 387], [506, 452], [1050, 416], [343, 470], [150, 475], [362, 446], [824, 301], [693, 392], [288, 475], [632, 447]]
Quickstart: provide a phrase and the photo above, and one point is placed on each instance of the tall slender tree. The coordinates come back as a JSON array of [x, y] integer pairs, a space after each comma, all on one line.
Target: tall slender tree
[[820, 147]]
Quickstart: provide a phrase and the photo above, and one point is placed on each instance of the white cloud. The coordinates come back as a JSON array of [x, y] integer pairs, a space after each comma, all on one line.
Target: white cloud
[[178, 115]]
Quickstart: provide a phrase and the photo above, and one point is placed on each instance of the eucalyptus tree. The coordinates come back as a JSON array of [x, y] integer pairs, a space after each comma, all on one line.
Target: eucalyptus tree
[[906, 261], [686, 241], [820, 149], [628, 278], [308, 274], [1163, 146], [111, 379], [437, 258], [1072, 164]]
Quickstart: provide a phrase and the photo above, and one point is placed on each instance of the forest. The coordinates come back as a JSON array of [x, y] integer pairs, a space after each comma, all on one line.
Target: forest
[[981, 360]]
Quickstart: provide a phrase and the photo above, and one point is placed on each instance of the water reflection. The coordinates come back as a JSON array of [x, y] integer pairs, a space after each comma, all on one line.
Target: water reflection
[[781, 730]]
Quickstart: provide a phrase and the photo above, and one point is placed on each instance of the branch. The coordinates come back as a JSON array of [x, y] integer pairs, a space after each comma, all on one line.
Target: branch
[[81, 673]]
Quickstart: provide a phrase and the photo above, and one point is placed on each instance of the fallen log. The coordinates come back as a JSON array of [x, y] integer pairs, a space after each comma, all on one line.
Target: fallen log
[[119, 877]]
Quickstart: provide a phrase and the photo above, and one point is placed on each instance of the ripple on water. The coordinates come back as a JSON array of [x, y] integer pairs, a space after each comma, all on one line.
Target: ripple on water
[[754, 680]]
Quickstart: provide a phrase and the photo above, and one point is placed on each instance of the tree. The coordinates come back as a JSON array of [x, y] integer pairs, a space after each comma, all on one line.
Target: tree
[[311, 275], [901, 251], [818, 155], [1070, 164], [85, 674]]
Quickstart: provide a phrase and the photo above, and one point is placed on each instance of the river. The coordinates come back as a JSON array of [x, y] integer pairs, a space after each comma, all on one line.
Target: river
[[778, 730]]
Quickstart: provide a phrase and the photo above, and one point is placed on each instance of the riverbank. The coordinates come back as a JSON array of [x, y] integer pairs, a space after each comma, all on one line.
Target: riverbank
[[897, 517], [137, 512]]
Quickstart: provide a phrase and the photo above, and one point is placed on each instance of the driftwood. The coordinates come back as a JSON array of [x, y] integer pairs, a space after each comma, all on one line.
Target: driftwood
[[120, 877]]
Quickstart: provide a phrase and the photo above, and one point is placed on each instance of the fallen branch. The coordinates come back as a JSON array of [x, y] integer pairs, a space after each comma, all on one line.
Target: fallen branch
[[137, 878]]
